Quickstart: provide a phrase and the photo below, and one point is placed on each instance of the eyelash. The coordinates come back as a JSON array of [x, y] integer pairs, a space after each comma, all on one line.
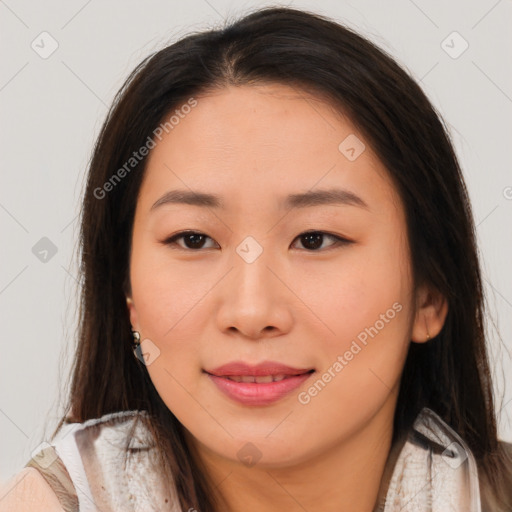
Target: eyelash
[[339, 241]]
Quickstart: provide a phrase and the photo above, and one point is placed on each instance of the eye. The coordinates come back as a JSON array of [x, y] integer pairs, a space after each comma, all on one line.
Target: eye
[[311, 240], [314, 239], [192, 239]]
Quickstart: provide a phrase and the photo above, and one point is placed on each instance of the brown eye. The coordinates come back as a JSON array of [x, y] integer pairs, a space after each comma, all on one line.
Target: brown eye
[[312, 240], [192, 240]]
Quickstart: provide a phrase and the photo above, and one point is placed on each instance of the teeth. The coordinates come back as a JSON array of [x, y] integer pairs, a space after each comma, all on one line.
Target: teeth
[[263, 379], [258, 380]]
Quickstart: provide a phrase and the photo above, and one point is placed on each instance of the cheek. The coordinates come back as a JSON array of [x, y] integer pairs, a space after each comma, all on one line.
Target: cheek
[[170, 311], [368, 288], [362, 352], [166, 291], [365, 311], [172, 316]]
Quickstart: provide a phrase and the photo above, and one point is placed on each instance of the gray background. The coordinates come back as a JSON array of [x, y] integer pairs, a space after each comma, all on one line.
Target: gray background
[[52, 109]]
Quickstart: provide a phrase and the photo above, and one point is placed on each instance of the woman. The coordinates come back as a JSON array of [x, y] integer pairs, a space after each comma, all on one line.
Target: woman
[[276, 218]]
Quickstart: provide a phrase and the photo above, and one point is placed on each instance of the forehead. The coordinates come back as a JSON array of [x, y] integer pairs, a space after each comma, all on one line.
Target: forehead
[[255, 144]]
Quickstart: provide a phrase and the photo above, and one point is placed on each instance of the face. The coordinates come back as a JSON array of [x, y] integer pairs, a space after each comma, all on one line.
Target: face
[[320, 284]]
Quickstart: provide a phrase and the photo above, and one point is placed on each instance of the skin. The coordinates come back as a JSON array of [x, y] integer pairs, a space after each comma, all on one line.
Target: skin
[[296, 304]]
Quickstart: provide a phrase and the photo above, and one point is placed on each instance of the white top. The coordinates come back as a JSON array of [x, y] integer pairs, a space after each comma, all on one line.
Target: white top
[[430, 470], [94, 454]]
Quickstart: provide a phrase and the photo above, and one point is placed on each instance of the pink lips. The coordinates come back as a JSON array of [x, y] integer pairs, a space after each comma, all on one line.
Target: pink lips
[[285, 379]]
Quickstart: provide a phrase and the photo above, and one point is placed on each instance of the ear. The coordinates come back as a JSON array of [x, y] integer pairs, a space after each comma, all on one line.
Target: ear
[[431, 311], [133, 313]]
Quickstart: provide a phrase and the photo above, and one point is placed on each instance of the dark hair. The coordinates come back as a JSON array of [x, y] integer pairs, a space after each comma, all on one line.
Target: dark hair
[[450, 374]]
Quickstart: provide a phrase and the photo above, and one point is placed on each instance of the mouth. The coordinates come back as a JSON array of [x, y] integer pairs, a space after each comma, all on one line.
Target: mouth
[[260, 379], [258, 385]]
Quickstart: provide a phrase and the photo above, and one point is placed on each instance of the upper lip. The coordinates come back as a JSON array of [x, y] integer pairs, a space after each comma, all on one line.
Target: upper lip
[[261, 369]]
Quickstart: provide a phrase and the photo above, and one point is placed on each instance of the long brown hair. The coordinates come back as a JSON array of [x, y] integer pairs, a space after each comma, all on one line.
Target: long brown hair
[[450, 374]]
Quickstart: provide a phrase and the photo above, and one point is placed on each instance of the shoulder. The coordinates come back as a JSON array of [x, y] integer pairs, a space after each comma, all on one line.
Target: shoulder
[[55, 474], [91, 461], [28, 491]]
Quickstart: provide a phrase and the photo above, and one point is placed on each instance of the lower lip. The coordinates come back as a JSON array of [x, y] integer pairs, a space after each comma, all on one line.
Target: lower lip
[[252, 393]]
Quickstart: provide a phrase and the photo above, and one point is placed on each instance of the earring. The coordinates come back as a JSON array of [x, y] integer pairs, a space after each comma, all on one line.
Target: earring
[[136, 344]]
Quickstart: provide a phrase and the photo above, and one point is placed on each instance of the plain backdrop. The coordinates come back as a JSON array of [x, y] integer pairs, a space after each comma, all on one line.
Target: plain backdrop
[[53, 104]]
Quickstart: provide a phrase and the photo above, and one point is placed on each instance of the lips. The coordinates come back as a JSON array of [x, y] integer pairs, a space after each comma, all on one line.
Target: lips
[[260, 384]]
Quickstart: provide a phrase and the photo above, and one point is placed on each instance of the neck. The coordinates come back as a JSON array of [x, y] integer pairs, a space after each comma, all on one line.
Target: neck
[[346, 476]]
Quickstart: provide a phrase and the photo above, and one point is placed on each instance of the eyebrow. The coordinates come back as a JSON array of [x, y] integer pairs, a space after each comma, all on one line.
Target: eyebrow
[[333, 196]]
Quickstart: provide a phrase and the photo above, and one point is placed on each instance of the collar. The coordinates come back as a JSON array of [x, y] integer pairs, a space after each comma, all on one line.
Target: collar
[[430, 469]]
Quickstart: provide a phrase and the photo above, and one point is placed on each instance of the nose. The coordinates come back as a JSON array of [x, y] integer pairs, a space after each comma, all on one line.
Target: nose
[[256, 302]]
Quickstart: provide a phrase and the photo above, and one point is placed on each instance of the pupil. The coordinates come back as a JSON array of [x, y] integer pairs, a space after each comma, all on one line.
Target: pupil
[[317, 236], [196, 239]]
